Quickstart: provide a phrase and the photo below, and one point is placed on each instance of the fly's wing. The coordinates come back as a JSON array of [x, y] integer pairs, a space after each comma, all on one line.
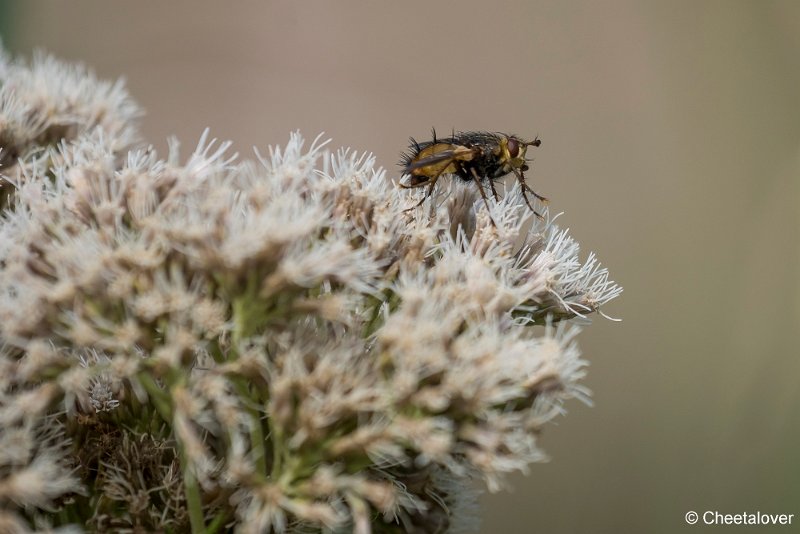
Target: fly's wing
[[429, 163], [437, 159]]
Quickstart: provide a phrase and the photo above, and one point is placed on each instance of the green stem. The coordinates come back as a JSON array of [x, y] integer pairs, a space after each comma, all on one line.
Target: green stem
[[246, 309], [216, 523], [277, 450], [193, 501], [157, 395], [256, 434]]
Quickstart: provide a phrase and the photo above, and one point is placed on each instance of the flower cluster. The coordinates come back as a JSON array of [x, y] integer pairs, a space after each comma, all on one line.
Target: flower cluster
[[266, 345]]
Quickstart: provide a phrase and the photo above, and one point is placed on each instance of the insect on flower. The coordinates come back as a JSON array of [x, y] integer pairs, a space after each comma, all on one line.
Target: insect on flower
[[479, 157]]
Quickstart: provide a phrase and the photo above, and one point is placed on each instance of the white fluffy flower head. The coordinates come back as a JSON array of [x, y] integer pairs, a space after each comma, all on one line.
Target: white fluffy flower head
[[276, 343]]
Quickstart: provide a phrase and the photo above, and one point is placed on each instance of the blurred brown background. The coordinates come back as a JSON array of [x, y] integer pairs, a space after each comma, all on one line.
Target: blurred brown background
[[671, 139]]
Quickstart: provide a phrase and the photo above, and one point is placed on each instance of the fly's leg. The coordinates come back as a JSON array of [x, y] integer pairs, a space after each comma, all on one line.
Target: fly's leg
[[526, 188], [494, 191], [483, 194], [427, 194]]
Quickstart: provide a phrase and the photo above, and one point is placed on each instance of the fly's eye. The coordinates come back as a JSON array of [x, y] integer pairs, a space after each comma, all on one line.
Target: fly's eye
[[513, 147]]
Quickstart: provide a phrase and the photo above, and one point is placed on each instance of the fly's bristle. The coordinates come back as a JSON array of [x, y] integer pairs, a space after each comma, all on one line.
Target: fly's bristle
[[408, 156]]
